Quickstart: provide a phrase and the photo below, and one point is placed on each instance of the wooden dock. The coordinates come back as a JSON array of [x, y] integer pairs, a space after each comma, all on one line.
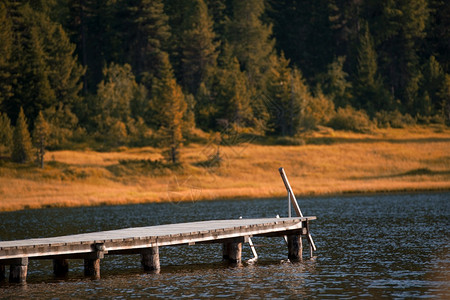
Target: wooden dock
[[92, 247]]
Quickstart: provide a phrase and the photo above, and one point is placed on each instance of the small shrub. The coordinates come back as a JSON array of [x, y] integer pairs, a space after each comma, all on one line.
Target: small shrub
[[214, 161], [394, 119], [318, 111], [289, 141], [351, 119]]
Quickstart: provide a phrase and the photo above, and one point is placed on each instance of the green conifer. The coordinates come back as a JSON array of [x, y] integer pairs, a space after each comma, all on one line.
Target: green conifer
[[368, 88], [6, 50], [199, 55], [286, 96], [41, 134], [22, 148], [169, 101], [250, 38], [6, 134]]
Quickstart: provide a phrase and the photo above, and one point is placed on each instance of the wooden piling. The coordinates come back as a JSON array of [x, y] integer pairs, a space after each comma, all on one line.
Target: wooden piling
[[295, 248], [232, 250], [150, 259], [18, 270], [2, 272], [92, 261], [60, 267], [92, 267], [225, 251]]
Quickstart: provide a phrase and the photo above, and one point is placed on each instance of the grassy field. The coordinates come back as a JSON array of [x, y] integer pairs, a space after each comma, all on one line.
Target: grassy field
[[331, 162]]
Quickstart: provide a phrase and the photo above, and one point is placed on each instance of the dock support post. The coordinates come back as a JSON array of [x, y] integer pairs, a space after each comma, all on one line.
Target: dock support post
[[150, 259], [92, 261], [92, 267], [2, 272], [60, 267], [295, 248], [225, 251], [232, 251], [18, 270]]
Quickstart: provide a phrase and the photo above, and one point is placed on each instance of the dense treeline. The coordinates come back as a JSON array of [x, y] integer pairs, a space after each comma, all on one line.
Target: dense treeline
[[136, 72]]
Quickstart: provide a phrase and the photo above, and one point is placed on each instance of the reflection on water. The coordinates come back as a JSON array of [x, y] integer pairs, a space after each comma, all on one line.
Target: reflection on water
[[372, 246]]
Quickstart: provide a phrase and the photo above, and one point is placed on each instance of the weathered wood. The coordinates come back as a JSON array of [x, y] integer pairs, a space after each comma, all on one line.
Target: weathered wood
[[60, 267], [18, 270], [2, 272], [295, 248], [144, 240], [92, 267], [92, 261], [226, 251], [145, 237], [234, 251], [150, 259]]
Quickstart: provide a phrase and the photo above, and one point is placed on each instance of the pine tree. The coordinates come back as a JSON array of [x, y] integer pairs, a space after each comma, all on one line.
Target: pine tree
[[199, 55], [116, 97], [146, 38], [287, 96], [64, 71], [33, 91], [335, 84], [250, 38], [22, 148], [219, 12], [399, 29], [41, 134], [368, 88], [6, 134], [438, 33], [445, 96], [63, 125], [116, 91], [6, 50], [431, 85], [90, 26], [304, 32], [232, 95], [168, 100], [45, 71]]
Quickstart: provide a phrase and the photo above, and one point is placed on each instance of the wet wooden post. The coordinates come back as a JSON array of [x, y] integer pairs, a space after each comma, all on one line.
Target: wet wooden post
[[2, 272], [226, 251], [60, 267], [92, 261], [232, 250], [92, 267], [150, 259], [295, 247], [18, 270]]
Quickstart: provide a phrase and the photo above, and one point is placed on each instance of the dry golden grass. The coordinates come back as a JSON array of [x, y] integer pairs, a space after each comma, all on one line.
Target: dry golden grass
[[413, 159]]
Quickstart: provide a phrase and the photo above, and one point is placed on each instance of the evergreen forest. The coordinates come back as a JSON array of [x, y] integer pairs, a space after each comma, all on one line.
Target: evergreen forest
[[167, 72]]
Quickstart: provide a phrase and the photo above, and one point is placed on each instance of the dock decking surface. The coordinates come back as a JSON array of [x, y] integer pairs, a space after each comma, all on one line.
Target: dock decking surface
[[150, 236]]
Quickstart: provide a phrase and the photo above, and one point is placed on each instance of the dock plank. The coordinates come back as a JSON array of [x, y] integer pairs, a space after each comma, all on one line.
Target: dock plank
[[143, 237]]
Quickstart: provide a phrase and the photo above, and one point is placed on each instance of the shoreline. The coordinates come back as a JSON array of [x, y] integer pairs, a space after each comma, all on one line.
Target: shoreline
[[299, 196], [411, 160]]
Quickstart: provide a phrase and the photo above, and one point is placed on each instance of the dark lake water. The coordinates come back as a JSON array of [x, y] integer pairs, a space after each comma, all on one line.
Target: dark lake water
[[394, 246]]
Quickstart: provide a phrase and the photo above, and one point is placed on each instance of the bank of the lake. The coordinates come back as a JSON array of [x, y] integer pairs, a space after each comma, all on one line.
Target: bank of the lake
[[415, 159]]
